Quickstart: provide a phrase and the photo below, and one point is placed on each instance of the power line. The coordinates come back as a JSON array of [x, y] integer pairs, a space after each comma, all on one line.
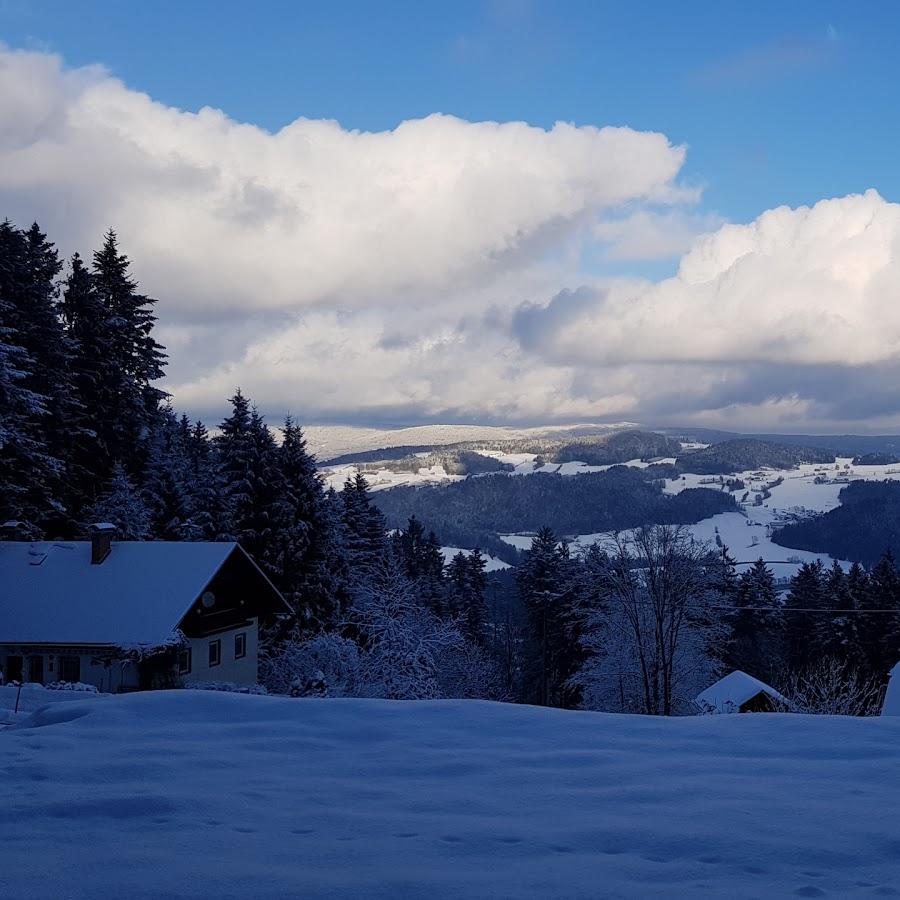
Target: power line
[[803, 609]]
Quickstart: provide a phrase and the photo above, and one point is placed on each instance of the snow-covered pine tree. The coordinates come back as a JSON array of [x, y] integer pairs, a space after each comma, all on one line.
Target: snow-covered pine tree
[[166, 481], [35, 352], [364, 528], [837, 633], [123, 506], [466, 583]]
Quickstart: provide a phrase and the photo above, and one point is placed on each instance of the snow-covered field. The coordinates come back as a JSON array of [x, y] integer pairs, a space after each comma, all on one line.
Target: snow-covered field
[[199, 794], [382, 479], [523, 463], [32, 697], [747, 533]]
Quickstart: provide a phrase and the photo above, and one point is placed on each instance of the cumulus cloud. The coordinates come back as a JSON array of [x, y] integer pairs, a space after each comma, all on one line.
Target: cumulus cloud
[[435, 270], [791, 316], [814, 286], [229, 215]]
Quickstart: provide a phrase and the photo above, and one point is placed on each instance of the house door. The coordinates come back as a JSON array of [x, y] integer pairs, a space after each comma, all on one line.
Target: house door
[[13, 668], [36, 669], [70, 668]]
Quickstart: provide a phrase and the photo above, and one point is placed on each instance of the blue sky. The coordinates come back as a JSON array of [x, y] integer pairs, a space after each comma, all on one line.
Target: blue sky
[[778, 102], [343, 266]]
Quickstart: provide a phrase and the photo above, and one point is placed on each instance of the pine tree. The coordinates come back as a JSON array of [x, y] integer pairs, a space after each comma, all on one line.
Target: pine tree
[[308, 560], [94, 382], [166, 479], [364, 527], [880, 631], [254, 488], [809, 591], [551, 655], [136, 360], [476, 614], [837, 633], [207, 503], [756, 645], [34, 363], [122, 505]]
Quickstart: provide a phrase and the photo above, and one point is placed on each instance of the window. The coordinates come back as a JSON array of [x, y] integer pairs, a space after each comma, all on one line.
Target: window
[[215, 653], [240, 645], [184, 661]]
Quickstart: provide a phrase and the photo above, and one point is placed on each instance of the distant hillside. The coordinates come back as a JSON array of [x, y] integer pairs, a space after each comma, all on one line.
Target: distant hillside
[[838, 444], [865, 525], [749, 453], [876, 459], [334, 442], [593, 449], [576, 504], [617, 448]]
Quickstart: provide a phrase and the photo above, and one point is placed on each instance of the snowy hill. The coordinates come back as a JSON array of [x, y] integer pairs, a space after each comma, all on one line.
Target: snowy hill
[[191, 794], [334, 440]]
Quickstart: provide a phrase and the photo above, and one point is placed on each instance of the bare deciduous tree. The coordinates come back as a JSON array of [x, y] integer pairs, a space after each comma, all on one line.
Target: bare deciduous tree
[[651, 643], [830, 687]]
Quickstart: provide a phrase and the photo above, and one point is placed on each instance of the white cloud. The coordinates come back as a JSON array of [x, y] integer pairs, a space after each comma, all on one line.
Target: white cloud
[[812, 286], [404, 275], [228, 215]]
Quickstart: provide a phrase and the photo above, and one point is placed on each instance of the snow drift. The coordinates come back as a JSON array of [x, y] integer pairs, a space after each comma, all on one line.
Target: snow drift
[[202, 794]]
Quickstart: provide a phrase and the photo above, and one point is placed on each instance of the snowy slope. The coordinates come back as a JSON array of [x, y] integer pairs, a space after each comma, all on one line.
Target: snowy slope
[[336, 440], [192, 794]]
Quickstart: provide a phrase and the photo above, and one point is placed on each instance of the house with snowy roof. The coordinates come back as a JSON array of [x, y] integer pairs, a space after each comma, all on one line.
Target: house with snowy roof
[[739, 692], [127, 615]]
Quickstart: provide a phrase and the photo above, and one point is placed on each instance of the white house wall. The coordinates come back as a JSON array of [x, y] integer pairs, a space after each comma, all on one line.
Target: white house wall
[[238, 671], [116, 677]]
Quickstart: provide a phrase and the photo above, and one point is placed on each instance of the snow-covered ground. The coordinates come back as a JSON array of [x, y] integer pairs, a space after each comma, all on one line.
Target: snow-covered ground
[[32, 697], [201, 794], [382, 479], [492, 564], [523, 463], [748, 534]]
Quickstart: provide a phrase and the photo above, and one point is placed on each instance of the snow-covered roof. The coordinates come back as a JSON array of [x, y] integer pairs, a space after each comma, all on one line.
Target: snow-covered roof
[[50, 592], [730, 693]]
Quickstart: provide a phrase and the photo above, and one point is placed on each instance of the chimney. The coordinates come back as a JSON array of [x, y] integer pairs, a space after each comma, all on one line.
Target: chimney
[[101, 541], [11, 530]]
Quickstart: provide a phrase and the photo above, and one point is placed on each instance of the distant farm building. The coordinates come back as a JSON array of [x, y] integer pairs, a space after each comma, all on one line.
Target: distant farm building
[[739, 692]]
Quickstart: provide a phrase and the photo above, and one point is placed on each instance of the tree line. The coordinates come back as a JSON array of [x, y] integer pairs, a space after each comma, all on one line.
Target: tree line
[[86, 435], [641, 625]]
